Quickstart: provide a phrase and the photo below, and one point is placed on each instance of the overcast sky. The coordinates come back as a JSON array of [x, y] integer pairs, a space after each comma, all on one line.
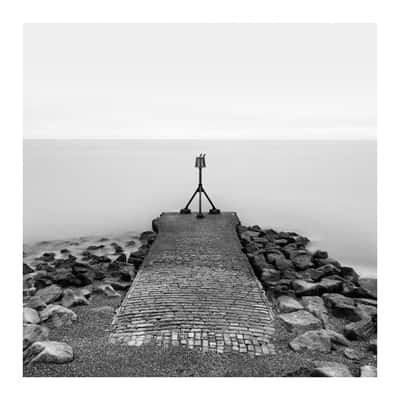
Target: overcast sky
[[259, 81]]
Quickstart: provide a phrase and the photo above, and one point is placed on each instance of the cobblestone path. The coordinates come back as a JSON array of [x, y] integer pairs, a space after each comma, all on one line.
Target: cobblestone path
[[196, 288]]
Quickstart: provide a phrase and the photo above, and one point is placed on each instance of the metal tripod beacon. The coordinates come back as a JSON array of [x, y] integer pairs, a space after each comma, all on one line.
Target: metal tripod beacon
[[200, 164]]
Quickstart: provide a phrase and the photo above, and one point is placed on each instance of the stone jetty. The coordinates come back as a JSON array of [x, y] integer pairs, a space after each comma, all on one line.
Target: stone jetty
[[196, 289]]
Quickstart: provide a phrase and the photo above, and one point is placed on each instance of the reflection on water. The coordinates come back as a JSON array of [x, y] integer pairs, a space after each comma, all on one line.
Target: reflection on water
[[322, 189]]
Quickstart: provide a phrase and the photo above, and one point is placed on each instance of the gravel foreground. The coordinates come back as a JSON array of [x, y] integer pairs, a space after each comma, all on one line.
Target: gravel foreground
[[95, 357]]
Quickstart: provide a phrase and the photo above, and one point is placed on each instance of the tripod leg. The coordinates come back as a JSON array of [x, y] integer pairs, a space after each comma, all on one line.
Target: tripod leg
[[213, 210], [186, 209]]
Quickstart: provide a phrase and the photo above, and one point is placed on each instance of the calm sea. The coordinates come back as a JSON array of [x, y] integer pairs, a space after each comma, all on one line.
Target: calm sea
[[325, 190]]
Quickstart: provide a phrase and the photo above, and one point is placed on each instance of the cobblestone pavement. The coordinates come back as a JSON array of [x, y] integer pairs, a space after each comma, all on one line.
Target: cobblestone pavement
[[196, 289]]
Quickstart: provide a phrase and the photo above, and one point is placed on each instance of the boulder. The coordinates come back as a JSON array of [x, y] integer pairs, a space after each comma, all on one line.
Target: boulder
[[368, 371], [303, 288], [330, 369], [359, 330], [106, 289], [249, 248], [330, 285], [48, 352], [41, 279], [136, 258], [30, 316], [337, 338], [47, 257], [259, 263], [95, 247], [282, 263], [269, 275], [281, 242], [148, 236], [288, 304], [315, 305], [368, 302], [34, 333], [369, 285], [320, 254], [318, 340], [279, 288], [351, 354], [351, 289], [73, 298], [35, 302], [58, 315], [50, 294], [301, 260], [300, 321], [315, 340], [342, 307], [349, 274], [328, 269], [26, 269], [66, 277], [118, 285], [324, 261], [369, 310]]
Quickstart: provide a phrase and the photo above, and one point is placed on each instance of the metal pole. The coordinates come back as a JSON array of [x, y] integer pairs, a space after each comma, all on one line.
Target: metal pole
[[200, 214]]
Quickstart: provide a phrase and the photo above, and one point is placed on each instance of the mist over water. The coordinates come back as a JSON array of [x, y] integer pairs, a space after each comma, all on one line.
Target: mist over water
[[325, 190]]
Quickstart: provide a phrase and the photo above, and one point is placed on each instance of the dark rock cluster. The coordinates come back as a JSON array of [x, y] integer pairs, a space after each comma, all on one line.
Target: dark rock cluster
[[326, 305], [52, 286]]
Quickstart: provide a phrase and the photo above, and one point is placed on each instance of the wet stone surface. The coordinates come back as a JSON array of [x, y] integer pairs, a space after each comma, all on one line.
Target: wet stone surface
[[196, 289]]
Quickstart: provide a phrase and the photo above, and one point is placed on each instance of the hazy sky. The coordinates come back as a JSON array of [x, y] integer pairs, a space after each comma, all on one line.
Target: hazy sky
[[200, 81]]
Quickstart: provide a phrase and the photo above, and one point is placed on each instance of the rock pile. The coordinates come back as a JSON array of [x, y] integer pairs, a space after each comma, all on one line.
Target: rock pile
[[52, 286], [314, 294]]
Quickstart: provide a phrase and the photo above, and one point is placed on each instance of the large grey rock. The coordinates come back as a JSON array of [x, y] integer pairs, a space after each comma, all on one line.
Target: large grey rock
[[300, 321], [282, 263], [368, 302], [34, 333], [106, 289], [351, 354], [360, 329], [368, 371], [315, 305], [118, 285], [58, 315], [330, 285], [328, 269], [35, 302], [369, 310], [259, 262], [288, 304], [322, 340], [50, 294], [301, 260], [73, 298], [269, 275], [349, 274], [303, 288], [330, 369], [369, 285], [315, 340], [30, 316], [342, 306], [328, 260], [337, 338], [48, 352]]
